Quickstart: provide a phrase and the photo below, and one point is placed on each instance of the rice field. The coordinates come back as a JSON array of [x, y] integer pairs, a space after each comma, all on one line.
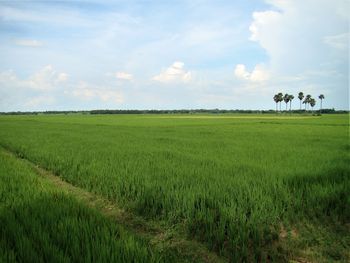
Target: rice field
[[249, 188], [40, 223]]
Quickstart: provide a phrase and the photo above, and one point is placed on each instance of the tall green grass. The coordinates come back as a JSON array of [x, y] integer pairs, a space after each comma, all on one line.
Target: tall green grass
[[230, 182], [40, 223]]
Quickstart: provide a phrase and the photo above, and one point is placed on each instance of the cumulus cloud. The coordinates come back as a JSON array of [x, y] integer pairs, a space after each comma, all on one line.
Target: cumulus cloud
[[47, 87], [35, 92], [46, 78], [241, 72], [259, 73], [304, 49], [174, 73], [259, 27], [28, 43], [88, 92], [123, 76], [294, 33]]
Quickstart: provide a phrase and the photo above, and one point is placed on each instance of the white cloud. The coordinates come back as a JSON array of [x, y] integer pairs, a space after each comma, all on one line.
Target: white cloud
[[36, 92], [261, 20], [294, 36], [293, 33], [39, 101], [8, 76], [259, 73], [174, 73], [45, 16], [62, 77], [45, 79], [305, 51], [28, 43], [123, 76], [340, 41], [86, 91], [241, 72]]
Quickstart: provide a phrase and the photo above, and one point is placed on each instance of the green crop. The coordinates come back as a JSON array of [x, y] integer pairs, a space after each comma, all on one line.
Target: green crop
[[39, 223], [229, 181]]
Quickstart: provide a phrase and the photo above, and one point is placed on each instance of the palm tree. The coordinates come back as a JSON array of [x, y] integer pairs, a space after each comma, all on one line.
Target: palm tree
[[276, 99], [286, 99], [300, 97], [321, 97], [312, 103], [280, 98], [307, 100], [291, 97]]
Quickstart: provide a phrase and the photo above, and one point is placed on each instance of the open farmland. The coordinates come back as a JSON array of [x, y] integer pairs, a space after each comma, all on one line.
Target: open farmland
[[245, 187], [42, 223]]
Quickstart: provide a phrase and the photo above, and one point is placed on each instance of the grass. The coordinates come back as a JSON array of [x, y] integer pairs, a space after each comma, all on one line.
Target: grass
[[165, 243], [42, 223], [235, 183]]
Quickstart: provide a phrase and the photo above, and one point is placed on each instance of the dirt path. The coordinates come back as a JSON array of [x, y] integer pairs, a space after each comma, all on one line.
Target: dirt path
[[161, 239]]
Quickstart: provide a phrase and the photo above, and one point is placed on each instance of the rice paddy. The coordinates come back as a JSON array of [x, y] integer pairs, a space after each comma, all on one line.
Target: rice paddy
[[248, 188]]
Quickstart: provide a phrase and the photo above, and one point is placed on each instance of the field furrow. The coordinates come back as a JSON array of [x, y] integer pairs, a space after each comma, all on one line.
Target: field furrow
[[165, 241]]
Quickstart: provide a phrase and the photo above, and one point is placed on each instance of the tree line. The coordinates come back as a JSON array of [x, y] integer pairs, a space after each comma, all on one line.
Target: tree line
[[308, 100], [190, 111]]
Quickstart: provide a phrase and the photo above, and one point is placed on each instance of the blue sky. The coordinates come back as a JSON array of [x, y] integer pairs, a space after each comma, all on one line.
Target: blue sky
[[73, 55]]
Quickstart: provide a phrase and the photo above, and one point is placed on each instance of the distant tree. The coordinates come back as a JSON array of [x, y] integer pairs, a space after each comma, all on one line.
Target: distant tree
[[312, 103], [280, 98], [291, 97], [300, 97], [276, 99], [307, 100], [286, 99], [321, 97]]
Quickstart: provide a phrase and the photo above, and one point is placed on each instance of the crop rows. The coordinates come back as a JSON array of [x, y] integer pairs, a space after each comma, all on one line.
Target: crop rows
[[230, 183], [40, 223]]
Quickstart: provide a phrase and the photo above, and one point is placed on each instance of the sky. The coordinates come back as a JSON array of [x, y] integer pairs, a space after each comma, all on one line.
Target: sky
[[181, 54]]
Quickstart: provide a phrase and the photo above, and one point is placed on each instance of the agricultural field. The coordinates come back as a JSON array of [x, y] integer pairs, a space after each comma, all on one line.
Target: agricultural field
[[181, 188]]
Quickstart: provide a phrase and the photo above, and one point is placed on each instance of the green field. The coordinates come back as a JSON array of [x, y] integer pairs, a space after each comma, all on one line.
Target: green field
[[237, 188]]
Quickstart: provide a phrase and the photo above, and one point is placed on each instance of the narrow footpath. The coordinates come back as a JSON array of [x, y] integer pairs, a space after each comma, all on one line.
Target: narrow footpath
[[161, 239]]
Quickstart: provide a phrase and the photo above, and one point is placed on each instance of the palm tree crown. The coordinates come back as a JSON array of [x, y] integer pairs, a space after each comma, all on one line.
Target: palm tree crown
[[321, 97], [312, 102], [280, 98], [276, 99], [287, 98], [300, 97]]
